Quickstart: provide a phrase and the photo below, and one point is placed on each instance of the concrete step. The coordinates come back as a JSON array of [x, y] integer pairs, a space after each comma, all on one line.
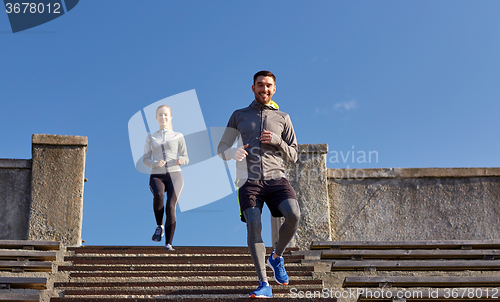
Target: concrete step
[[176, 272], [152, 250], [30, 245], [293, 267], [177, 284], [209, 259], [10, 296], [184, 299], [243, 288]]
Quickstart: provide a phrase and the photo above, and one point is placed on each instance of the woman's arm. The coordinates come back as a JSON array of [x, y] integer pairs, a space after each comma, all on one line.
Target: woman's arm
[[148, 154], [183, 158]]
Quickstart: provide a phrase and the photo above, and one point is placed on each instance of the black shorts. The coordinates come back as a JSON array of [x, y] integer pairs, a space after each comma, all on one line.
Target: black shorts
[[254, 193]]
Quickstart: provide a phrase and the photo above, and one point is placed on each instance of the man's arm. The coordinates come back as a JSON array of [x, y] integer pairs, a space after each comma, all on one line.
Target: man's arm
[[225, 149], [287, 143]]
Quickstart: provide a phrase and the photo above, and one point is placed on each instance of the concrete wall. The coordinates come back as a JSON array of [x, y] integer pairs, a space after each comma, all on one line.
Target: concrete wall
[[57, 188], [415, 204], [15, 198], [42, 198], [391, 204], [308, 178]]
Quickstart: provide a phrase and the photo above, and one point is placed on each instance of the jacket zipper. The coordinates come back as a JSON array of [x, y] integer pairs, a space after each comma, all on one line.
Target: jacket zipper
[[261, 153]]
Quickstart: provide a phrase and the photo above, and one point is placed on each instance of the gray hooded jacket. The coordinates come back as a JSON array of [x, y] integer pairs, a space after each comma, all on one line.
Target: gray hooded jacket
[[264, 161]]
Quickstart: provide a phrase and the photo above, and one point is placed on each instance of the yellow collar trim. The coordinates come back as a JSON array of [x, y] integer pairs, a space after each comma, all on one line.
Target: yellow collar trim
[[273, 104]]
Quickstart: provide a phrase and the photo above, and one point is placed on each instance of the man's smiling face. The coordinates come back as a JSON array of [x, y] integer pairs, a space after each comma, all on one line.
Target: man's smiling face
[[264, 89]]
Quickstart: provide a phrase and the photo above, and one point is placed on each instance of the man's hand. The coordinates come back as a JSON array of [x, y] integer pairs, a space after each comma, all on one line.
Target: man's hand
[[179, 161], [160, 163], [241, 153], [266, 137]]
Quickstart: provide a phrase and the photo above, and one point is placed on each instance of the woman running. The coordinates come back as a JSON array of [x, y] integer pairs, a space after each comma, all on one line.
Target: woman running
[[160, 154]]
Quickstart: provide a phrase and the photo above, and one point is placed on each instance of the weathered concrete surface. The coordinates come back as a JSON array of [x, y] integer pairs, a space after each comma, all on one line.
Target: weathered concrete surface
[[57, 188], [401, 173], [15, 191], [308, 177], [333, 280], [416, 204]]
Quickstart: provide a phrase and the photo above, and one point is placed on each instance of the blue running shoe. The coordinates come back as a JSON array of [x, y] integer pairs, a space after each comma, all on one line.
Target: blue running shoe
[[278, 267], [159, 232], [263, 291]]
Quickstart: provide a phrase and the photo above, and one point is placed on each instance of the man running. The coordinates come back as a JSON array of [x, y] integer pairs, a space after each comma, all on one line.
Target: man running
[[265, 139]]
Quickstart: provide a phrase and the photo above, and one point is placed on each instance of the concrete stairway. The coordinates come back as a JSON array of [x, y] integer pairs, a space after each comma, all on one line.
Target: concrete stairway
[[127, 273], [417, 270], [28, 269]]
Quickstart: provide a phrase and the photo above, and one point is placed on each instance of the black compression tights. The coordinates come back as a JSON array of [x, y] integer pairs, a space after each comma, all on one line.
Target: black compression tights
[[291, 211], [171, 183]]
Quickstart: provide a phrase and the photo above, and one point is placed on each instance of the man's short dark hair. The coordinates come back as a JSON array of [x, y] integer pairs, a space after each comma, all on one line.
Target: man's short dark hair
[[264, 73]]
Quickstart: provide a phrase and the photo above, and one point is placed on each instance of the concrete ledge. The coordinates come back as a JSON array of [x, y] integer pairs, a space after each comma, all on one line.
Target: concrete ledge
[[308, 178], [60, 140], [15, 163], [401, 173], [57, 183]]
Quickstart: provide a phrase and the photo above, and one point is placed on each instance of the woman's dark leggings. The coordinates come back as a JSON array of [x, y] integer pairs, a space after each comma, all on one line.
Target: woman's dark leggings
[[172, 183]]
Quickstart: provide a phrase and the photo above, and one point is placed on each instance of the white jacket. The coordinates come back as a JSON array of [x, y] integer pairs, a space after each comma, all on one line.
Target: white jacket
[[164, 145]]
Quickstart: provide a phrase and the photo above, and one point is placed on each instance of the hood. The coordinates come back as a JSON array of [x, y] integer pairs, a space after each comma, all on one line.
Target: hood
[[271, 106]]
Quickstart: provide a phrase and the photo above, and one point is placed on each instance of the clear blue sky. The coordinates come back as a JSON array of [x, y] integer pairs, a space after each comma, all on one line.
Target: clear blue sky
[[416, 81]]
